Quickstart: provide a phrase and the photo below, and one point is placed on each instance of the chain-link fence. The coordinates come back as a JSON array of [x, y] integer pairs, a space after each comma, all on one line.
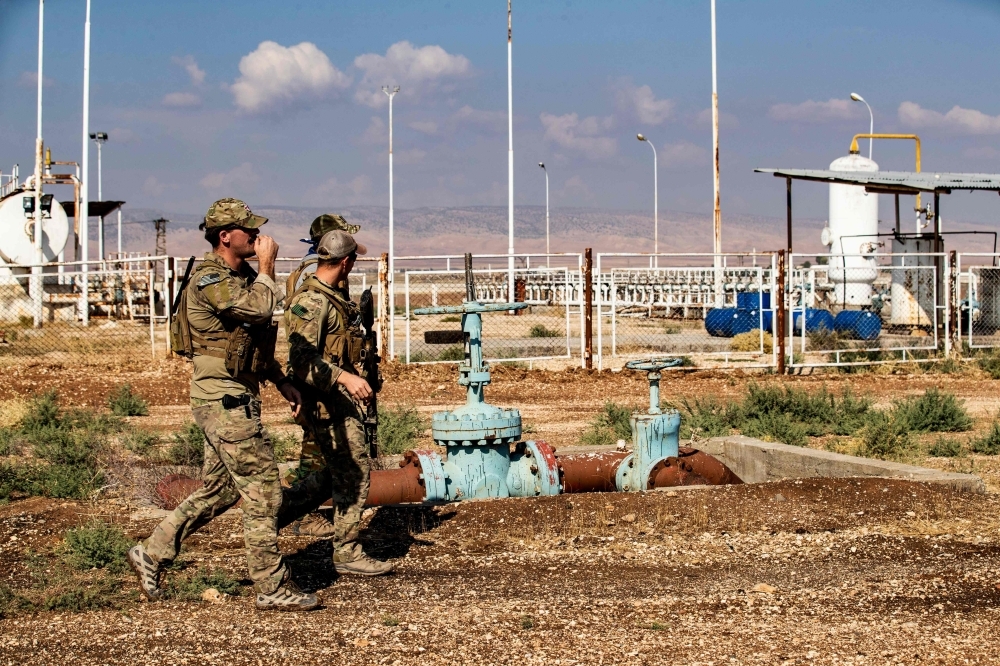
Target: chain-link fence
[[107, 312], [978, 296], [715, 310], [867, 309]]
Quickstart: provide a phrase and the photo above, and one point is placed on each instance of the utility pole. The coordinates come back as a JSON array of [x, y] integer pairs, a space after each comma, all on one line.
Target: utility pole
[[392, 247], [717, 219], [85, 172], [510, 161], [36, 270]]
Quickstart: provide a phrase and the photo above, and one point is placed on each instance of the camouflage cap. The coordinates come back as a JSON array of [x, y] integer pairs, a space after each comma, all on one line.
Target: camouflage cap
[[328, 222], [337, 244], [231, 213]]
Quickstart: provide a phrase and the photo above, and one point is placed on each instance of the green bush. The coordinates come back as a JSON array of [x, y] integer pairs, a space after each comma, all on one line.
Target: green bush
[[187, 446], [610, 425], [934, 411], [123, 402], [191, 586], [776, 427], [540, 331], [8, 441], [886, 438], [398, 428], [97, 545], [946, 448], [284, 445], [988, 444], [64, 446], [82, 597], [139, 440], [706, 418], [452, 353], [990, 364], [58, 481], [43, 412]]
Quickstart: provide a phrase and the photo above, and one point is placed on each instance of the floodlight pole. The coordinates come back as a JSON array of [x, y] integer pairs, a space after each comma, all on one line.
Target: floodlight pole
[[510, 160], [36, 270], [547, 250], [85, 172], [717, 217], [871, 124], [656, 204], [391, 92], [99, 138]]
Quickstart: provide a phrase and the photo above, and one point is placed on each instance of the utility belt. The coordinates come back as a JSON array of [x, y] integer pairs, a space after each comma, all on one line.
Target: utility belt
[[245, 349]]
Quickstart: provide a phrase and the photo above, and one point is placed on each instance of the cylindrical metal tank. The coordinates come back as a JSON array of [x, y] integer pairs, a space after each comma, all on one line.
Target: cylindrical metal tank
[[860, 324], [853, 229], [914, 280], [17, 232], [816, 319]]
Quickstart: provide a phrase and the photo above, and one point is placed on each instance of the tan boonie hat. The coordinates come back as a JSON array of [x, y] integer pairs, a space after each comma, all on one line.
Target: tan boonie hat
[[328, 222], [338, 244], [231, 213]]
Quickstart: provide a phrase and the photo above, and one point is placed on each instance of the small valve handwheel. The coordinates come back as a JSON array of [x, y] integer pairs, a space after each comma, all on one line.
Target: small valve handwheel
[[653, 364]]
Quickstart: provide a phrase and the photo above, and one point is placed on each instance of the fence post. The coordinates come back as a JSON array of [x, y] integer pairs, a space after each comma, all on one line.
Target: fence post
[[383, 305], [780, 303], [955, 339], [588, 308]]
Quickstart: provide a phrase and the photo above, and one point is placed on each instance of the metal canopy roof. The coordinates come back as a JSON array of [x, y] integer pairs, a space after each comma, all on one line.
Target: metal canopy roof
[[898, 182]]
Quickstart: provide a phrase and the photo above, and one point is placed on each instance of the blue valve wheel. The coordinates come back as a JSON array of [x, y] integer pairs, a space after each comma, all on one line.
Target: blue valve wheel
[[466, 308], [653, 364]]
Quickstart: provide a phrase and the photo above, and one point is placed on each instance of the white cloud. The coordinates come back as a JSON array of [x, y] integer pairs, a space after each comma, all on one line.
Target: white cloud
[[575, 190], [333, 192], [240, 179], [415, 70], [494, 121], [275, 76], [190, 65], [29, 79], [831, 110], [681, 154], [424, 126], [965, 121], [153, 187], [584, 136], [181, 99], [641, 101]]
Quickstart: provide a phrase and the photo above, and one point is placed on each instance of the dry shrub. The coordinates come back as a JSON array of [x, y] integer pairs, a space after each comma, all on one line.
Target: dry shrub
[[12, 411], [750, 342]]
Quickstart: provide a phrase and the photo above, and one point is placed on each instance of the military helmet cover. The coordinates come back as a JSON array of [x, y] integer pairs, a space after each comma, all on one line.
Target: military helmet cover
[[231, 213], [328, 222]]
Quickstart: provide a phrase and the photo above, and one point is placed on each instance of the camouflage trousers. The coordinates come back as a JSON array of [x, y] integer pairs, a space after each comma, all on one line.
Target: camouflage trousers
[[239, 463], [335, 464]]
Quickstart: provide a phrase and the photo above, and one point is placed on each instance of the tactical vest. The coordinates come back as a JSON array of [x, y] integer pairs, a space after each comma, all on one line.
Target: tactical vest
[[245, 348], [292, 281], [341, 345]]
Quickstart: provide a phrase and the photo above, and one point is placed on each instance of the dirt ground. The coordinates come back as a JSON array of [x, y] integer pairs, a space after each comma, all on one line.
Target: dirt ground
[[796, 572]]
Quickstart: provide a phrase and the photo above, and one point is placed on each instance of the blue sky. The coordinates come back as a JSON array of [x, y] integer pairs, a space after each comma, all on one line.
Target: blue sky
[[279, 103]]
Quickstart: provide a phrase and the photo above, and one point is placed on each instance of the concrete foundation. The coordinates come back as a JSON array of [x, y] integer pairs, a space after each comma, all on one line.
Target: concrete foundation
[[756, 461]]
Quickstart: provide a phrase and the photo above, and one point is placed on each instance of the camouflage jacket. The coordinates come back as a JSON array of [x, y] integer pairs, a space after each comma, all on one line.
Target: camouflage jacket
[[217, 291], [323, 337]]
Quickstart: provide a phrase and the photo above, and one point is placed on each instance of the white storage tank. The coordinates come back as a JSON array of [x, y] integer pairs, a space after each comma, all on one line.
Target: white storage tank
[[914, 281], [852, 235], [17, 231]]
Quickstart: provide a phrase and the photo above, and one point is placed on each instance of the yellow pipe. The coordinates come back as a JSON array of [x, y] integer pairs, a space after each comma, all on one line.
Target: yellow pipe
[[914, 137]]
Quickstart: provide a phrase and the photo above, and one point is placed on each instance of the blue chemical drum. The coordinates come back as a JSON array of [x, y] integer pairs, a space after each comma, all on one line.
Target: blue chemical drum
[[719, 322], [816, 320], [750, 300], [859, 324]]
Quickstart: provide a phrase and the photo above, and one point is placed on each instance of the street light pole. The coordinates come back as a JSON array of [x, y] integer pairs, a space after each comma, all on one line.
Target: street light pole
[[36, 270], [85, 172], [510, 161], [656, 202], [871, 127], [99, 138], [717, 216], [391, 92], [547, 251]]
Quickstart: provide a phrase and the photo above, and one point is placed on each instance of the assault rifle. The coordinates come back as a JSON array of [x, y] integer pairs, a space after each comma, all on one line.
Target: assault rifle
[[369, 370]]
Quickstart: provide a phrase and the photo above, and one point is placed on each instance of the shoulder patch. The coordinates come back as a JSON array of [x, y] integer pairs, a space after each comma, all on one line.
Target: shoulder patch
[[299, 311], [208, 279]]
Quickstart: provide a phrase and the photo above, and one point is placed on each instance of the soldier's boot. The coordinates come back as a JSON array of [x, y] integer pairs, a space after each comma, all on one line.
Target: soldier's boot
[[147, 570], [360, 565], [288, 597], [315, 524]]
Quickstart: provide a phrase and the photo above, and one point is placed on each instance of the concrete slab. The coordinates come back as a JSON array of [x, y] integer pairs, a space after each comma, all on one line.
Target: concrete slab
[[757, 461]]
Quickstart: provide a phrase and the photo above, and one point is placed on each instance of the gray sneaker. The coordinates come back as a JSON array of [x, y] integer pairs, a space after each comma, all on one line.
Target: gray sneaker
[[147, 571], [363, 566], [288, 597]]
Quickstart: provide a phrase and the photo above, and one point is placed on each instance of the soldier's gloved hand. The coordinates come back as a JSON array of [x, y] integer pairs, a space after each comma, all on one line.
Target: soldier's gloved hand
[[292, 395], [356, 386]]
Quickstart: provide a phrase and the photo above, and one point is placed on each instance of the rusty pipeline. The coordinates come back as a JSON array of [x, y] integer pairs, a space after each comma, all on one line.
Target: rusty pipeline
[[691, 467], [404, 485], [590, 472]]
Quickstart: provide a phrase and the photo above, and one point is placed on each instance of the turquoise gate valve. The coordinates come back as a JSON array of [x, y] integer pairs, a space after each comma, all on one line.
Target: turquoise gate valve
[[478, 436], [654, 434]]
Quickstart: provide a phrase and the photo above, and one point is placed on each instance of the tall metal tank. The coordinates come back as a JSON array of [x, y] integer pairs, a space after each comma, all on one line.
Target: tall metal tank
[[17, 232], [852, 231]]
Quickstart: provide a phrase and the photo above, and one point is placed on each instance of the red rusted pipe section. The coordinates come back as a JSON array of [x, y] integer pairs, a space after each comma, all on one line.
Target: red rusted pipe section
[[397, 486], [691, 467], [590, 472]]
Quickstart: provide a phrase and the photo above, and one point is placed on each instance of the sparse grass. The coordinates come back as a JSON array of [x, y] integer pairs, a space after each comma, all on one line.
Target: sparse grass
[[934, 411], [398, 428], [190, 587], [139, 440], [124, 402], [672, 329], [657, 626], [452, 353], [541, 331], [946, 448], [751, 342], [610, 425], [390, 620], [96, 545], [990, 364], [451, 319], [527, 622], [187, 446], [988, 443], [823, 339]]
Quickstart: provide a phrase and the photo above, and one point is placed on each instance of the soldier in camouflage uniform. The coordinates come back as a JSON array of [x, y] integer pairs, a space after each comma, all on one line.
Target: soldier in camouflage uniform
[[225, 313], [311, 458], [324, 337]]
